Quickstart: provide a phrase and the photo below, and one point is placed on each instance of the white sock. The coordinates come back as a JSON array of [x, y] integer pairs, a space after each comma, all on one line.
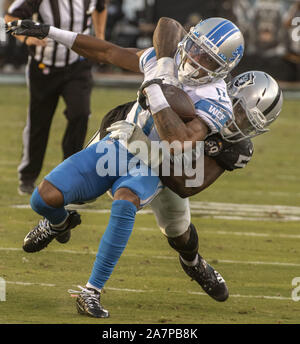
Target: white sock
[[89, 285], [61, 226], [190, 263]]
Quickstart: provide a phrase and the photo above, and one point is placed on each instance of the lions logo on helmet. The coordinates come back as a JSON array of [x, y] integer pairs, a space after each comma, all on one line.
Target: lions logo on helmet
[[209, 51]]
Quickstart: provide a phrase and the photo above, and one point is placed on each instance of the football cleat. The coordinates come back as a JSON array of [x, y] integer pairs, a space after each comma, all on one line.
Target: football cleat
[[43, 233], [88, 302], [64, 237], [208, 278], [25, 188]]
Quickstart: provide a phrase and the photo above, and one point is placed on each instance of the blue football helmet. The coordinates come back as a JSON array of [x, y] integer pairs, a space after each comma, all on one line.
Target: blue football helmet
[[215, 40]]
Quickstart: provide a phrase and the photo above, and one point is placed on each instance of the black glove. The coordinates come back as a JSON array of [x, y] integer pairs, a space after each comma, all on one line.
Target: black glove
[[213, 145], [27, 27], [141, 95]]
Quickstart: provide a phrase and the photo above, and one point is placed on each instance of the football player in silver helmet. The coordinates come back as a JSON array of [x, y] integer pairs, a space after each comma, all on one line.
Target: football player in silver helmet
[[257, 100]]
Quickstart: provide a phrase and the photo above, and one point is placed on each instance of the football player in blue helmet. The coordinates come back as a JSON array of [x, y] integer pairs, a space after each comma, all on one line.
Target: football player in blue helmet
[[219, 41], [211, 53]]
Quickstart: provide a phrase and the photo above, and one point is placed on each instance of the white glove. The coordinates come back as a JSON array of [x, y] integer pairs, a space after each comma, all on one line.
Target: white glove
[[135, 140], [167, 71], [121, 130]]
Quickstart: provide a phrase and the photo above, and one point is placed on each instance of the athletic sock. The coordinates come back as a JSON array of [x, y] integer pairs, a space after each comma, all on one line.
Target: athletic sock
[[113, 242], [190, 263], [56, 216]]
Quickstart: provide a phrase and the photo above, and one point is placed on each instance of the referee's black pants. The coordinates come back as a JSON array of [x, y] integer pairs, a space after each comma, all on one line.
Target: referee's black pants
[[74, 84]]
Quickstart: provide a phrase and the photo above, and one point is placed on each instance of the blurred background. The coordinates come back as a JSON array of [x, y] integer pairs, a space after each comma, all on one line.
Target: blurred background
[[271, 32]]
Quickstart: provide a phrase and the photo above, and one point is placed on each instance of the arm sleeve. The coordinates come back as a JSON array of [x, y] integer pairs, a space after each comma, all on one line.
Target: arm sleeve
[[147, 60], [24, 9], [229, 156]]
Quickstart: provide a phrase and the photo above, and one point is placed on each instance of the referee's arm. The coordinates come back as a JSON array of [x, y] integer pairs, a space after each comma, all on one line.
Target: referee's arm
[[99, 22]]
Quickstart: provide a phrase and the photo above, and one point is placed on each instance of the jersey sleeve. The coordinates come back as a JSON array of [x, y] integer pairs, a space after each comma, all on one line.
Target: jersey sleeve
[[147, 60], [214, 114], [229, 156], [24, 9], [214, 105]]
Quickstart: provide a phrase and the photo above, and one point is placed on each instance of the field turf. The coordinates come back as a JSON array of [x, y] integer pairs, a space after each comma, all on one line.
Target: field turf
[[257, 253]]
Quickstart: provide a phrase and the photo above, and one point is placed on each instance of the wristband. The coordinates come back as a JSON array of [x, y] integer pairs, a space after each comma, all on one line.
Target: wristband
[[156, 99], [64, 37]]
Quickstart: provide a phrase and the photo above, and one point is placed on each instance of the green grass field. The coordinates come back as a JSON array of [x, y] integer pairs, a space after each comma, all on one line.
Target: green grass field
[[257, 253]]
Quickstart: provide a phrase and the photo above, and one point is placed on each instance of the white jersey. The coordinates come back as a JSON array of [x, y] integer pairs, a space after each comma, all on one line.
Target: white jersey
[[211, 101]]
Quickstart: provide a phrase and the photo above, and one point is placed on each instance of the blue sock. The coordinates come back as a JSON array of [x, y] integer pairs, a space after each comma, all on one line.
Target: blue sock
[[113, 242], [54, 215]]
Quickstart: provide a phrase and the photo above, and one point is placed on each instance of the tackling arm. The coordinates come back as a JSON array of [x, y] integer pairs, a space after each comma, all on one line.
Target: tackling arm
[[219, 156], [212, 171], [170, 127]]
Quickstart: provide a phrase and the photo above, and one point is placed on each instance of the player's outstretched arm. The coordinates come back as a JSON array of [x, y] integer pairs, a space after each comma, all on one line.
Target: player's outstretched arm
[[167, 34], [87, 46], [106, 52], [212, 171]]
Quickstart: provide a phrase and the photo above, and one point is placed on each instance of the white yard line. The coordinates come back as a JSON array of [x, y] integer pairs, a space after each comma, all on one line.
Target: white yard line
[[31, 284], [225, 211], [253, 234], [267, 297], [226, 261]]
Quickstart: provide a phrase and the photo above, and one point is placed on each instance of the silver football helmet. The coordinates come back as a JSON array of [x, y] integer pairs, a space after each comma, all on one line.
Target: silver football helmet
[[257, 101], [209, 51]]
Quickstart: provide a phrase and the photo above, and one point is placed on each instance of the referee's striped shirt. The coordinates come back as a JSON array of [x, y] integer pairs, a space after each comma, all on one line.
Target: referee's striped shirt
[[72, 15]]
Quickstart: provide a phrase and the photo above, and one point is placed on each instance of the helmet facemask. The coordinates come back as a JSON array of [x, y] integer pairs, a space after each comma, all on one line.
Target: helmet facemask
[[257, 101], [197, 55], [245, 123]]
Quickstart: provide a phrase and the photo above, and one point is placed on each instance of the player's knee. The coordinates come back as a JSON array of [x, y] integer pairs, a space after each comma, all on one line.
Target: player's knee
[[124, 194], [50, 194]]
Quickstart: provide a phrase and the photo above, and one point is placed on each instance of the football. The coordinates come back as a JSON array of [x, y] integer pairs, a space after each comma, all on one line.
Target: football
[[180, 102]]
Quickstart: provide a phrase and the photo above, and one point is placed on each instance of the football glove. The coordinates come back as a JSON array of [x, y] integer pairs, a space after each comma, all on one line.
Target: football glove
[[121, 130], [27, 27]]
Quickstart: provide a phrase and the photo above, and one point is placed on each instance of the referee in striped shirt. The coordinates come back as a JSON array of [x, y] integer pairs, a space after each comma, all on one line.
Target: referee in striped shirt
[[54, 71]]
